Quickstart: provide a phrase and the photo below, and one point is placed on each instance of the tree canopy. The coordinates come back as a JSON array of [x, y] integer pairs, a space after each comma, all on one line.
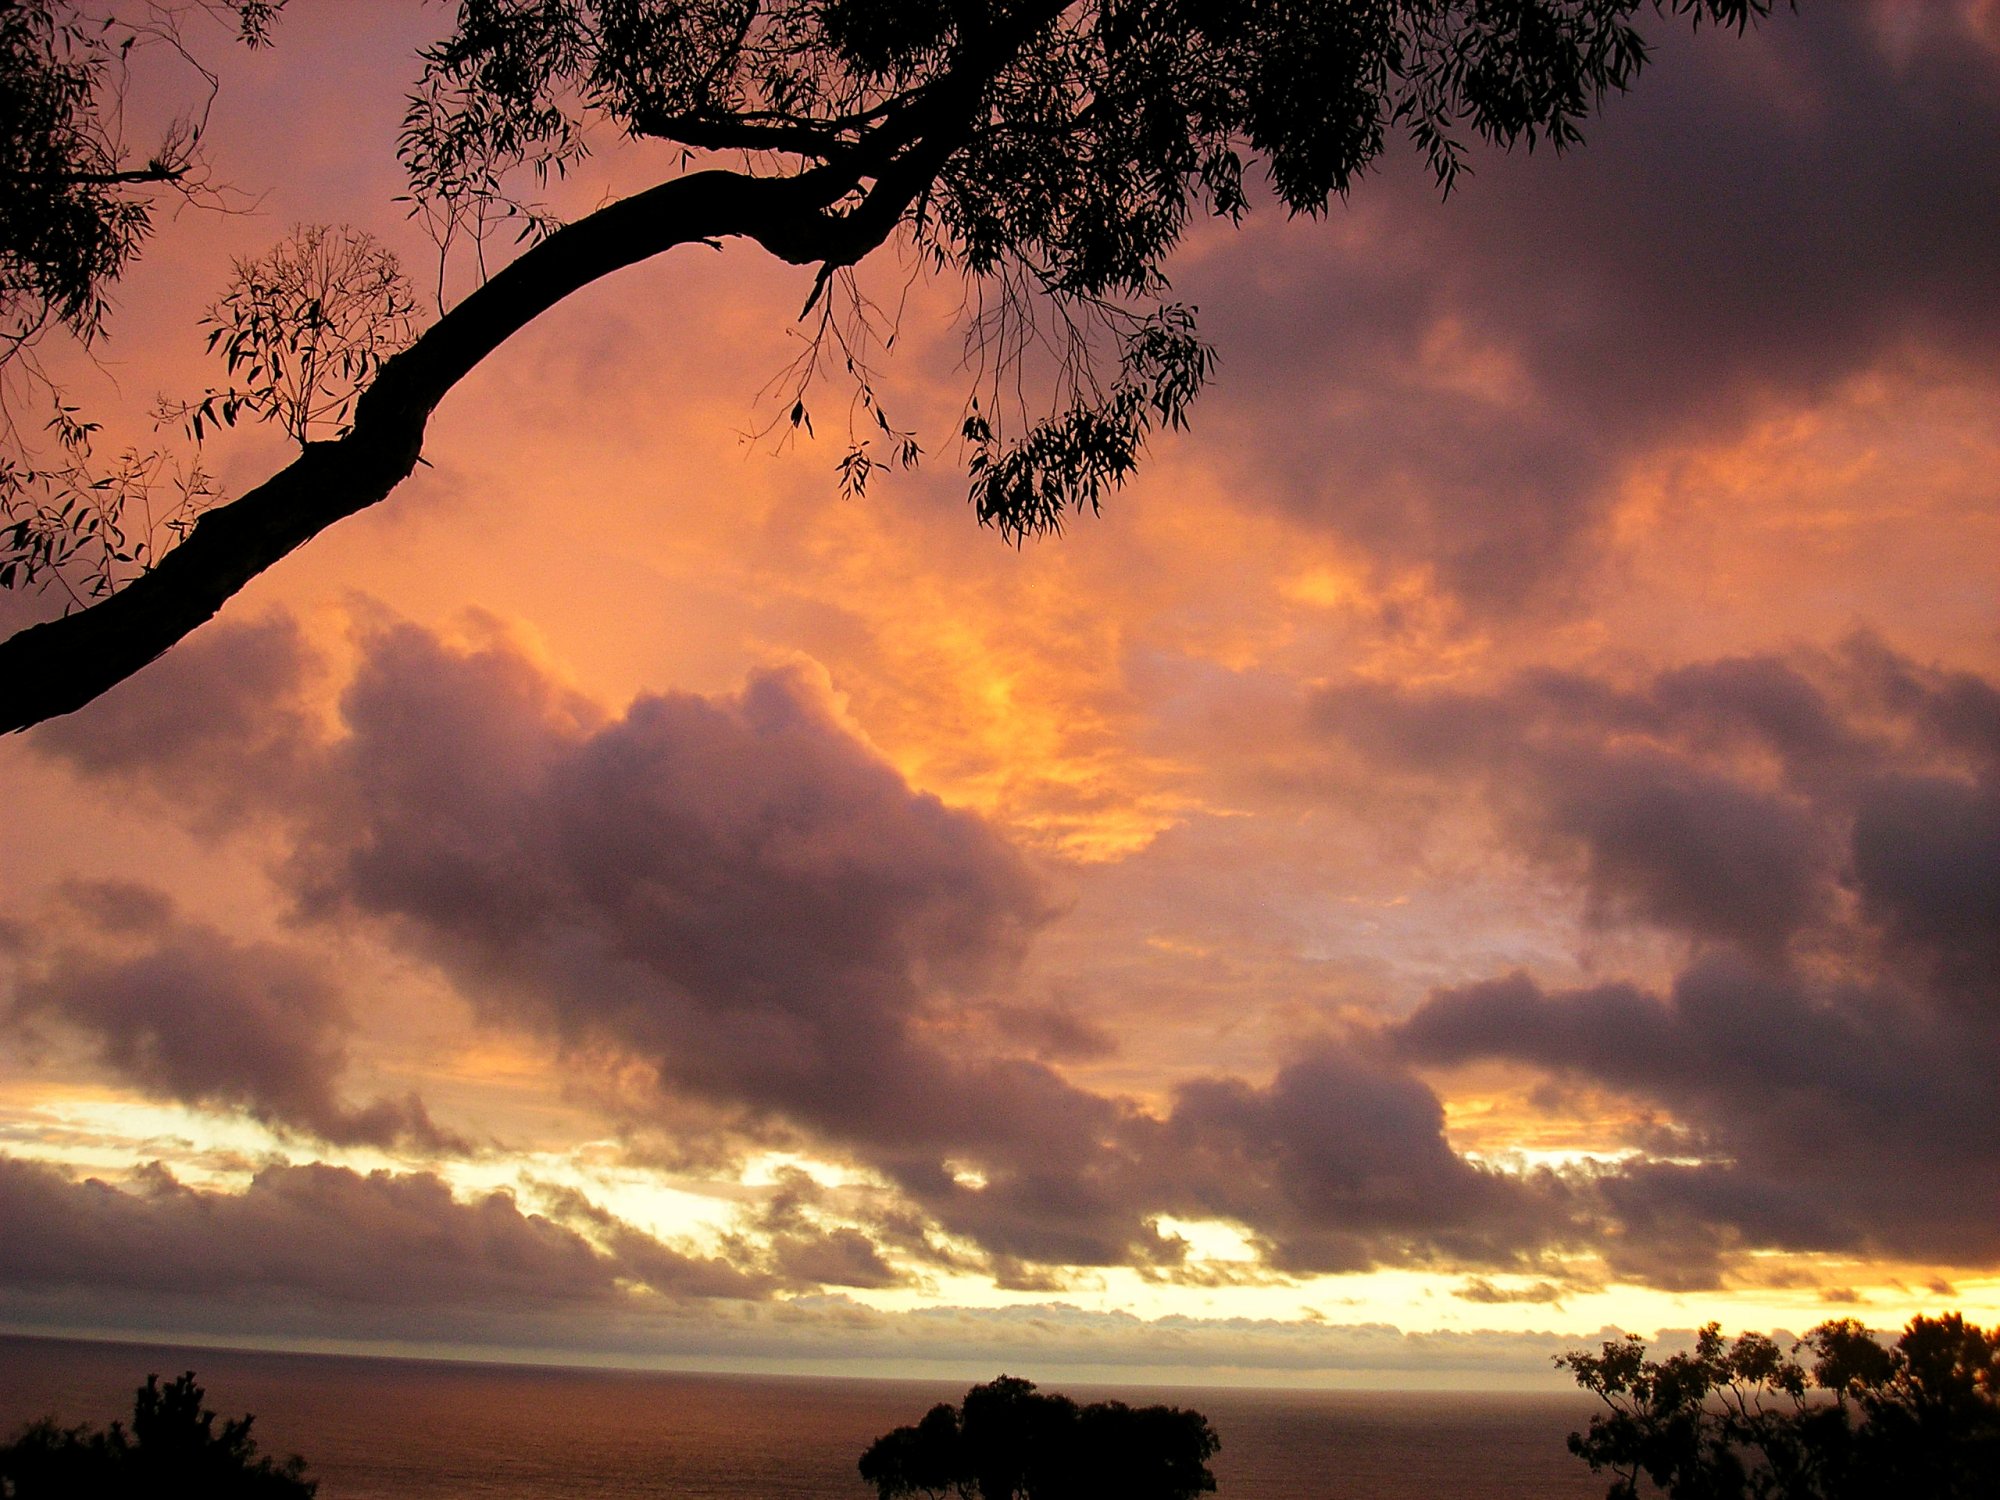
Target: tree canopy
[[1746, 1421], [173, 1447], [1050, 152], [1009, 1441], [77, 204]]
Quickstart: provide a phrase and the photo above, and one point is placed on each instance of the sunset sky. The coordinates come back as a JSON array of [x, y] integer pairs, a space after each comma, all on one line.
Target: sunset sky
[[1493, 836]]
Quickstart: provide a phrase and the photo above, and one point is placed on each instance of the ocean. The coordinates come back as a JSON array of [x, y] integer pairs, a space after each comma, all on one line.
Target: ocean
[[395, 1429]]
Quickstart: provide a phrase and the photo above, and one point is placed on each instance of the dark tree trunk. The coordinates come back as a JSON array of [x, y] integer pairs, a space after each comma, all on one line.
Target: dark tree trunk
[[57, 667]]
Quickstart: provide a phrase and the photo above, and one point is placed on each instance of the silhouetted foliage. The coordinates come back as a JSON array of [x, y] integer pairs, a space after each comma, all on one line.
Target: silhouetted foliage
[[1010, 1441], [76, 202], [1049, 153], [1744, 1421], [303, 329], [173, 1448]]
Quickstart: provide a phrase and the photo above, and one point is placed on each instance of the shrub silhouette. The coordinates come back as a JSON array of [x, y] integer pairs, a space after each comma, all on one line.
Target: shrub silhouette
[[173, 1447], [1010, 1441], [1919, 1419]]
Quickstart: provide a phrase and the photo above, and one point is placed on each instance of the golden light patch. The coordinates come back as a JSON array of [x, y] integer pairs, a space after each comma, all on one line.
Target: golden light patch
[[1880, 491], [1208, 1239]]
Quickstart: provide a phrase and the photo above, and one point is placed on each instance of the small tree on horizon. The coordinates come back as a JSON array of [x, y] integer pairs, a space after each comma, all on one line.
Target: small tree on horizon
[[1918, 1419], [927, 1460], [1010, 1441], [172, 1448]]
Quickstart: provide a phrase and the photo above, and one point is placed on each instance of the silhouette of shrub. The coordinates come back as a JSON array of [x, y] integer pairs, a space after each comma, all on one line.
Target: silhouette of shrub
[[1010, 1441], [1919, 1419], [173, 1448]]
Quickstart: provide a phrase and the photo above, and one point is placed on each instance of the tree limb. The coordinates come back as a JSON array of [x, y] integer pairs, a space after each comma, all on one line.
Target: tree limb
[[56, 667], [158, 172], [809, 217]]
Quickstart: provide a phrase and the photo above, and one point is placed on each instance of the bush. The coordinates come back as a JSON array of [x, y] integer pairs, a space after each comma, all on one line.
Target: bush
[[1919, 1419], [173, 1447], [1012, 1442]]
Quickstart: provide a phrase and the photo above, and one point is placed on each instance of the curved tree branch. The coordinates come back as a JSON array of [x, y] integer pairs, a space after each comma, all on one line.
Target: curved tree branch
[[810, 217], [158, 172], [57, 667]]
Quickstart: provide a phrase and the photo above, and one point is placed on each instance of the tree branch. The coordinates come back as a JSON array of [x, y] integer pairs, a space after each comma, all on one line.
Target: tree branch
[[59, 666], [56, 667], [157, 172]]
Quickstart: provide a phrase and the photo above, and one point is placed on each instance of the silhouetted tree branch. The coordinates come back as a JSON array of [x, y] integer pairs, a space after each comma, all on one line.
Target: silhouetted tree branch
[[1051, 149], [74, 210]]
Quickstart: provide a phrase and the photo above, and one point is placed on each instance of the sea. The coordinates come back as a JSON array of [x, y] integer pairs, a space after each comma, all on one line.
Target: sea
[[406, 1429]]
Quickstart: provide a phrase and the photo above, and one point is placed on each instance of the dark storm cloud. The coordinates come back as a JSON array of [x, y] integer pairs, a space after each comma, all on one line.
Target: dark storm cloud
[[1479, 1289], [1461, 384], [740, 893], [1654, 831], [1825, 830], [1926, 832], [217, 725], [1015, 1159], [1829, 1116], [1053, 1033], [1339, 1163], [1760, 702], [841, 1256], [323, 1233], [1734, 801], [1687, 848], [1341, 1156], [1927, 864], [736, 889], [798, 1234], [749, 852], [188, 1013]]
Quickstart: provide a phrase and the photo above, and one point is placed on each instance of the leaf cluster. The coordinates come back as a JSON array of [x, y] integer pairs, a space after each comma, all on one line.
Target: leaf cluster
[[303, 330], [1010, 1441], [173, 1447], [1054, 152], [84, 525], [1066, 462], [75, 200], [1745, 1420], [76, 204], [68, 222]]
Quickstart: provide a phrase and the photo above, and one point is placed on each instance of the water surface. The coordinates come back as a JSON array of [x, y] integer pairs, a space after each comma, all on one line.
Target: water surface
[[391, 1429]]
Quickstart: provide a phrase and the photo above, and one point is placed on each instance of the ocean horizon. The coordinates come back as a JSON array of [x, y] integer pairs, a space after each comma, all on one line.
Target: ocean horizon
[[374, 1427]]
